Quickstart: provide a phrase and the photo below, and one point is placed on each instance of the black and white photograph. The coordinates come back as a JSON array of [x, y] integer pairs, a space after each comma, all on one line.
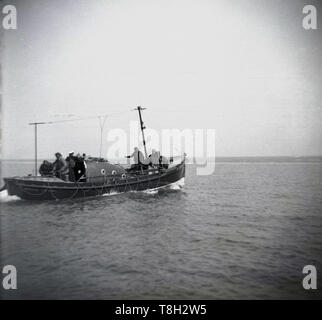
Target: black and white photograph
[[161, 150]]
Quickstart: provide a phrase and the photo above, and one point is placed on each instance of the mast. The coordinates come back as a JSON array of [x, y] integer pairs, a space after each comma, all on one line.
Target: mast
[[142, 128], [35, 124]]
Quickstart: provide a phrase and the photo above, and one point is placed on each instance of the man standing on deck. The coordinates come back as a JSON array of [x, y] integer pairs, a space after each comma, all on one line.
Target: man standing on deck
[[60, 166], [79, 167], [71, 161], [138, 158], [155, 158]]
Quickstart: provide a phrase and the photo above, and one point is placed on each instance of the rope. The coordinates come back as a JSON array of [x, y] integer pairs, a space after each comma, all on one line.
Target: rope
[[84, 118]]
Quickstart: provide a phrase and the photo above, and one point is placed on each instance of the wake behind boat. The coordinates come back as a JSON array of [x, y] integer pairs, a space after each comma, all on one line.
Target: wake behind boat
[[100, 177]]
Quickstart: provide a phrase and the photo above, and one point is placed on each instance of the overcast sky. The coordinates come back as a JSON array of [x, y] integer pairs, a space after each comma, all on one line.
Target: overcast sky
[[245, 68]]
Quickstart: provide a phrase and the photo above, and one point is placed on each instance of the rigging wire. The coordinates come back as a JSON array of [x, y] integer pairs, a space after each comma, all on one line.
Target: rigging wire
[[84, 118]]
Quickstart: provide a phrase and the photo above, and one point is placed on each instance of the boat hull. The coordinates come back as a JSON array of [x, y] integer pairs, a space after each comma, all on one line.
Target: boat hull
[[39, 188]]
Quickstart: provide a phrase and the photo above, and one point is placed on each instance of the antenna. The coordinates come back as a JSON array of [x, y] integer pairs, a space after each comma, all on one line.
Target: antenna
[[35, 124], [142, 127], [102, 120]]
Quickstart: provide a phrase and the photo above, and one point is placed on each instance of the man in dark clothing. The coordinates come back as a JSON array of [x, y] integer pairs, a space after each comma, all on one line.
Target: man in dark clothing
[[79, 167], [46, 169], [71, 161]]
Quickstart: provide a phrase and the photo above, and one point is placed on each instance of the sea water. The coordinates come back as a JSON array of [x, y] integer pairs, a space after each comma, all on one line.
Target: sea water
[[246, 231]]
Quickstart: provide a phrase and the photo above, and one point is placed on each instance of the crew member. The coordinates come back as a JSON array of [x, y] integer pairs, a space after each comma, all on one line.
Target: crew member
[[138, 159], [155, 158], [60, 166], [71, 160], [46, 169], [79, 167], [163, 162]]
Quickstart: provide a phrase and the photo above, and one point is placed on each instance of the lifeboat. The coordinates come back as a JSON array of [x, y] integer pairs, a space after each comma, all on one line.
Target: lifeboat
[[102, 177]]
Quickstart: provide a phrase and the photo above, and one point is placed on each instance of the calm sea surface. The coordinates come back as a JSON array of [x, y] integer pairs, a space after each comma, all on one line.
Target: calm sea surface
[[244, 232]]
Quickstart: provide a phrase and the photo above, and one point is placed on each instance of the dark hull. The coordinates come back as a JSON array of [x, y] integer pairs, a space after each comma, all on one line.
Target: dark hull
[[33, 188]]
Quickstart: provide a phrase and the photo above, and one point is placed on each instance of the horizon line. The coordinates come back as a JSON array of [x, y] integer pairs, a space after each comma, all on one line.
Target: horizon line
[[194, 158]]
